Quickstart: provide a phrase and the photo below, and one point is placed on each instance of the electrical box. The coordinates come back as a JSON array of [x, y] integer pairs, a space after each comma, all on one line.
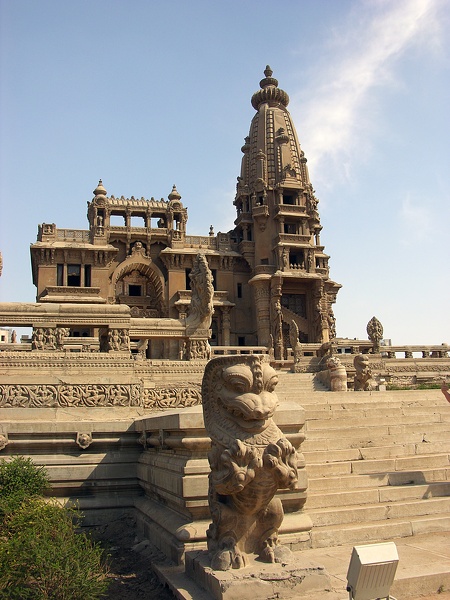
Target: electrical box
[[372, 570]]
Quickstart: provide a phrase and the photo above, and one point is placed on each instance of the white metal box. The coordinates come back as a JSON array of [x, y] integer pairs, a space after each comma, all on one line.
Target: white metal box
[[372, 570]]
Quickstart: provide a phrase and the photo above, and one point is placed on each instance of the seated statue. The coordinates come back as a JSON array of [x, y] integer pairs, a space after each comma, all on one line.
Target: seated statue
[[363, 377], [338, 375], [250, 460]]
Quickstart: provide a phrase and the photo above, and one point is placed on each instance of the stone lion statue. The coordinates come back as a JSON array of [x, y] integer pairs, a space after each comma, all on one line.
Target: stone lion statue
[[363, 376], [338, 375], [250, 460]]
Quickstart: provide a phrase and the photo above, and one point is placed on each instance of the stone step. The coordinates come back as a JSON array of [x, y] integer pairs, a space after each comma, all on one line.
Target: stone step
[[382, 494], [329, 414], [353, 482], [366, 419], [352, 514], [409, 432], [377, 452], [362, 439], [363, 533], [379, 466]]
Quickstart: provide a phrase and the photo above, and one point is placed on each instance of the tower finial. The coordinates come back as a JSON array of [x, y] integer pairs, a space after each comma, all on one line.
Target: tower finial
[[100, 190], [269, 91]]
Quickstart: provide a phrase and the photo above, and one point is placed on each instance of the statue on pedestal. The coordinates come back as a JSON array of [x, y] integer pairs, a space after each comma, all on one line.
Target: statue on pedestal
[[250, 460]]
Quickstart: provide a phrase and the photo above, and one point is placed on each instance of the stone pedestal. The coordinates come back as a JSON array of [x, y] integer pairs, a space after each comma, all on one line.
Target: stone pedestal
[[257, 581]]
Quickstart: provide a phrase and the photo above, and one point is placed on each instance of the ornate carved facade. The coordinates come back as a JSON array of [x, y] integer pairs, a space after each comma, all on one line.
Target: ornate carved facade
[[268, 273]]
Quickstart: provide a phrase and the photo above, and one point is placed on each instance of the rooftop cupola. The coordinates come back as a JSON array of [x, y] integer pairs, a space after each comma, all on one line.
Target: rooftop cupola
[[174, 195], [100, 190]]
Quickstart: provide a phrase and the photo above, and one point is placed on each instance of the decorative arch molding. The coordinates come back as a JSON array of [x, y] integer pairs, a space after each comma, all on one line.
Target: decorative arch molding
[[146, 267]]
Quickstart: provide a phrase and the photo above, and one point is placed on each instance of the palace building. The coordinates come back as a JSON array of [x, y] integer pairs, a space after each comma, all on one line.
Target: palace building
[[270, 273]]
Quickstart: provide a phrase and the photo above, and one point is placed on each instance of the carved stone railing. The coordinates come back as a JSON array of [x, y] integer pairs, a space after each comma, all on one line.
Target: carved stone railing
[[198, 241], [290, 209], [264, 269], [73, 235], [293, 238], [227, 350], [404, 351]]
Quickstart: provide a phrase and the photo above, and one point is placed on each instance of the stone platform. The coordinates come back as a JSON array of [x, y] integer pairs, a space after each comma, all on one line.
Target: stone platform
[[320, 573]]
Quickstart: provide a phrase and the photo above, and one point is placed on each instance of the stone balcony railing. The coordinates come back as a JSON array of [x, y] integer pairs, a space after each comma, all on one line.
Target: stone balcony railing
[[73, 235], [293, 238]]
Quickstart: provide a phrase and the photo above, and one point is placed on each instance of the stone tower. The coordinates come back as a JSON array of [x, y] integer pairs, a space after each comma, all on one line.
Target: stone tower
[[278, 229]]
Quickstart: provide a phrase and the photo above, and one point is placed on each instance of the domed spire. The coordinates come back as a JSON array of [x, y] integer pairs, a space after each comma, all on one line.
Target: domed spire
[[100, 190], [269, 93], [174, 195]]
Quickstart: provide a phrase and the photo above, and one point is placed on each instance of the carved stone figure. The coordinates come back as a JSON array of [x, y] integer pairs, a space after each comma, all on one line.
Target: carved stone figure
[[250, 460], [60, 334], [201, 308], [277, 327], [375, 333], [338, 375], [363, 376]]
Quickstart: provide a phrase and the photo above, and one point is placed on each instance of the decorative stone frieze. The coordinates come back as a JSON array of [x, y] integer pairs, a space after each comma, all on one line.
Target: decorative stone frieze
[[64, 395], [94, 395], [180, 396]]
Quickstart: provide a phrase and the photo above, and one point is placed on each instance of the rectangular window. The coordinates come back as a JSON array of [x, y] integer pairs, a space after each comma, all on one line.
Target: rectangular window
[[239, 290], [135, 290], [290, 228], [241, 340], [188, 279], [87, 275], [288, 199], [60, 275], [74, 275]]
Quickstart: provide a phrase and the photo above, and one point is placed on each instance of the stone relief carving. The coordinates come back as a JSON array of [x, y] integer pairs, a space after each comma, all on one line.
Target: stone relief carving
[[42, 395], [173, 397], [118, 339], [375, 333], [99, 395], [198, 349], [84, 440], [363, 377], [49, 338], [250, 460]]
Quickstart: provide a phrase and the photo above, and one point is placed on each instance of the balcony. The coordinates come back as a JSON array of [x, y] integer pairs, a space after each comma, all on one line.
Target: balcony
[[73, 294], [289, 210], [293, 239]]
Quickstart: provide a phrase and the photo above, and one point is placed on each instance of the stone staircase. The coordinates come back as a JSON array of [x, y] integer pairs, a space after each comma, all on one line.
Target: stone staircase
[[378, 462]]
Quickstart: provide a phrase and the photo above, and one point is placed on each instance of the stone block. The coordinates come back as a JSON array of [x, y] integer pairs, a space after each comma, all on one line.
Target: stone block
[[258, 581]]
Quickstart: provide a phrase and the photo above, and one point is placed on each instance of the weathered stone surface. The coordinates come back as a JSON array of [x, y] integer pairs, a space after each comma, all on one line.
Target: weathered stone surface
[[257, 581], [250, 460]]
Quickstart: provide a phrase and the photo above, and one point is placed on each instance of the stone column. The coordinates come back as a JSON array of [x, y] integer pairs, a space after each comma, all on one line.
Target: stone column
[[225, 325], [276, 318], [261, 292]]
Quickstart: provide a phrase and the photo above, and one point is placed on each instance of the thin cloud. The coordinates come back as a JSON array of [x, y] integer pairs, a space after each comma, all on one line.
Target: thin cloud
[[415, 221], [338, 118]]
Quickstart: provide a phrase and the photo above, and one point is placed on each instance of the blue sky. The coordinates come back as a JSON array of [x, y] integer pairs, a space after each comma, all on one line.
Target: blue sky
[[147, 93]]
